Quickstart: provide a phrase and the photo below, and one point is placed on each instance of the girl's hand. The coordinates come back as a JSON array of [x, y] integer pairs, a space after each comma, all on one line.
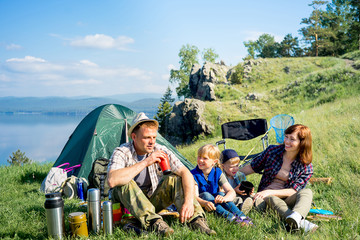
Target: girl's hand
[[219, 199], [209, 206], [238, 191]]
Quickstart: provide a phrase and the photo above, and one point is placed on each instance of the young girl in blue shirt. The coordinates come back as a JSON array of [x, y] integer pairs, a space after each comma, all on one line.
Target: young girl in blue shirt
[[209, 179]]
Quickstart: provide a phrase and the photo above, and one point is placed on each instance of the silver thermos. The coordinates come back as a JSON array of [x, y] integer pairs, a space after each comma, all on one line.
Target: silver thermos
[[107, 217], [94, 210], [54, 208]]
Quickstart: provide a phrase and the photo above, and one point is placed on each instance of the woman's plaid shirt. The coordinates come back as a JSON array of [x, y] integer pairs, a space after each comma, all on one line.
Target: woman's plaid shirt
[[270, 162]]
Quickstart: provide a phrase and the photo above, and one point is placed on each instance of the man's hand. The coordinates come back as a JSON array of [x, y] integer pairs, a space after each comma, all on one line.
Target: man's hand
[[187, 211], [209, 206], [154, 157]]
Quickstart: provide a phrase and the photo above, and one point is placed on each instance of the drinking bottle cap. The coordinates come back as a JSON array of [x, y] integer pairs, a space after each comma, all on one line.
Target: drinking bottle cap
[[107, 206], [55, 195], [93, 194]]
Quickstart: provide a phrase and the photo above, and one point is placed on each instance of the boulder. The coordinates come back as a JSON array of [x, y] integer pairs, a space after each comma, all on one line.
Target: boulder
[[186, 122], [203, 79]]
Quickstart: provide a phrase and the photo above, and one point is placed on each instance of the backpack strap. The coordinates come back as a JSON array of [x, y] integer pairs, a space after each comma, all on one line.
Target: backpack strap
[[64, 164], [72, 168]]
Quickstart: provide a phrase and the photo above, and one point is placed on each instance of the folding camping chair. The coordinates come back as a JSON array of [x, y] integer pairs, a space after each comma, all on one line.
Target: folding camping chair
[[245, 130], [280, 123]]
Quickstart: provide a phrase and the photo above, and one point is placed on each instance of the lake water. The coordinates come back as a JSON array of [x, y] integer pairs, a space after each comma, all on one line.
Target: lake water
[[41, 137]]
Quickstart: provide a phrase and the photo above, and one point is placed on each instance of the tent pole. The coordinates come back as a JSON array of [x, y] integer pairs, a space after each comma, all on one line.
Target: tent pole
[[126, 131]]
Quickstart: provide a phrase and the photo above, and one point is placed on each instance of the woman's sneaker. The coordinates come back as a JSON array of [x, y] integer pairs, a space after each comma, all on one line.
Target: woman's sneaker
[[293, 220], [307, 226]]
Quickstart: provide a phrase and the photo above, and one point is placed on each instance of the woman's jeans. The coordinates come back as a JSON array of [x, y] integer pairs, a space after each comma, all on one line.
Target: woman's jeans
[[227, 209]]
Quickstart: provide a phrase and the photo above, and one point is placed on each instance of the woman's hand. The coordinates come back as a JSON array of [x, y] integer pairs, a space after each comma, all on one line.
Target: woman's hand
[[209, 206], [262, 194]]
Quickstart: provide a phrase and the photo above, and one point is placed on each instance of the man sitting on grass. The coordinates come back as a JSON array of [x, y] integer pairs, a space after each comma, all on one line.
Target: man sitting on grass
[[141, 187]]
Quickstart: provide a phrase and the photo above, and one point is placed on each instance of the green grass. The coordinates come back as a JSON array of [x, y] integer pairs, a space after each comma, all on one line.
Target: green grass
[[333, 115], [336, 136]]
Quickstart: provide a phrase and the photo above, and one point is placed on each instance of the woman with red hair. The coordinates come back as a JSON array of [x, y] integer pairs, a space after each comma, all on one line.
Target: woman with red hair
[[286, 169]]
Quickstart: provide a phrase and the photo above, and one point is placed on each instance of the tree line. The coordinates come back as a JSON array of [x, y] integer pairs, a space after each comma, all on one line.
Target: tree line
[[332, 29]]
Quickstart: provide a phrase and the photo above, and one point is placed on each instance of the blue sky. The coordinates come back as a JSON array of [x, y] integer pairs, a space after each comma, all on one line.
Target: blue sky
[[102, 48]]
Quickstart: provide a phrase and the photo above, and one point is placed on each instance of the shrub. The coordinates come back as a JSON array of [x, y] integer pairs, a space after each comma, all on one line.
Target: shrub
[[238, 75], [18, 158], [352, 55]]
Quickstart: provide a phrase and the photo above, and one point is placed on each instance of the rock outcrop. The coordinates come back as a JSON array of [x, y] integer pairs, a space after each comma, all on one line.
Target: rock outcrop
[[248, 65], [203, 79], [186, 122]]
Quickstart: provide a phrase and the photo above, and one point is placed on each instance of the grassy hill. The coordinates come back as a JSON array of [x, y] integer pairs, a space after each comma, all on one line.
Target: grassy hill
[[322, 93]]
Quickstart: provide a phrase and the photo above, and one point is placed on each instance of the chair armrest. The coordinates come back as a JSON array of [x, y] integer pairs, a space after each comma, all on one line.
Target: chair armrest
[[220, 142]]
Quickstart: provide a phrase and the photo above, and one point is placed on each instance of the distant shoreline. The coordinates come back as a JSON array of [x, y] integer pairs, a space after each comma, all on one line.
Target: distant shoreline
[[44, 113]]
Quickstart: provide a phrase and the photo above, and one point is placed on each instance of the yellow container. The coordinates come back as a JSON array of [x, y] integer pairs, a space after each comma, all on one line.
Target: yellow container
[[78, 227]]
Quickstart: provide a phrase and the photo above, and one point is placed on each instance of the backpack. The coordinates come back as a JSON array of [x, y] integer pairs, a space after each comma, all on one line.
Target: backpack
[[98, 176], [55, 178], [70, 186]]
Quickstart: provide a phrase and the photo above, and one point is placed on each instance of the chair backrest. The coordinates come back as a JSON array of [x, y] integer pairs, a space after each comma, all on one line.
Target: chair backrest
[[280, 123], [245, 129]]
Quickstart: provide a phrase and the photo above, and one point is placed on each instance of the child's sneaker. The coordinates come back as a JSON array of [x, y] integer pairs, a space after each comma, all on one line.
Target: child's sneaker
[[247, 205], [243, 221]]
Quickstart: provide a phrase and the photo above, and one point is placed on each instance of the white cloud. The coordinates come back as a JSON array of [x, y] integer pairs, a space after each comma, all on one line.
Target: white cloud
[[29, 59], [30, 64], [88, 63], [102, 41], [13, 46], [32, 76]]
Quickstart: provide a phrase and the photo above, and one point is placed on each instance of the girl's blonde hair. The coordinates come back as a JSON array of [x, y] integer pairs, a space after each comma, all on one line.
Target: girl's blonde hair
[[210, 150]]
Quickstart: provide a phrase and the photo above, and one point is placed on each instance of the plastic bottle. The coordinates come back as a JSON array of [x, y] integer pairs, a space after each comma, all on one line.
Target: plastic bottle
[[80, 189]]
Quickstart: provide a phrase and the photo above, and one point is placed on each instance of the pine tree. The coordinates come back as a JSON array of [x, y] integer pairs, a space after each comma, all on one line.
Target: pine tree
[[337, 20], [316, 33], [164, 110], [18, 158], [289, 47], [265, 47], [354, 32]]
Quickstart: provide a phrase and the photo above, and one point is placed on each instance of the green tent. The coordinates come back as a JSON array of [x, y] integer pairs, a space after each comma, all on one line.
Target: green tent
[[98, 134]]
